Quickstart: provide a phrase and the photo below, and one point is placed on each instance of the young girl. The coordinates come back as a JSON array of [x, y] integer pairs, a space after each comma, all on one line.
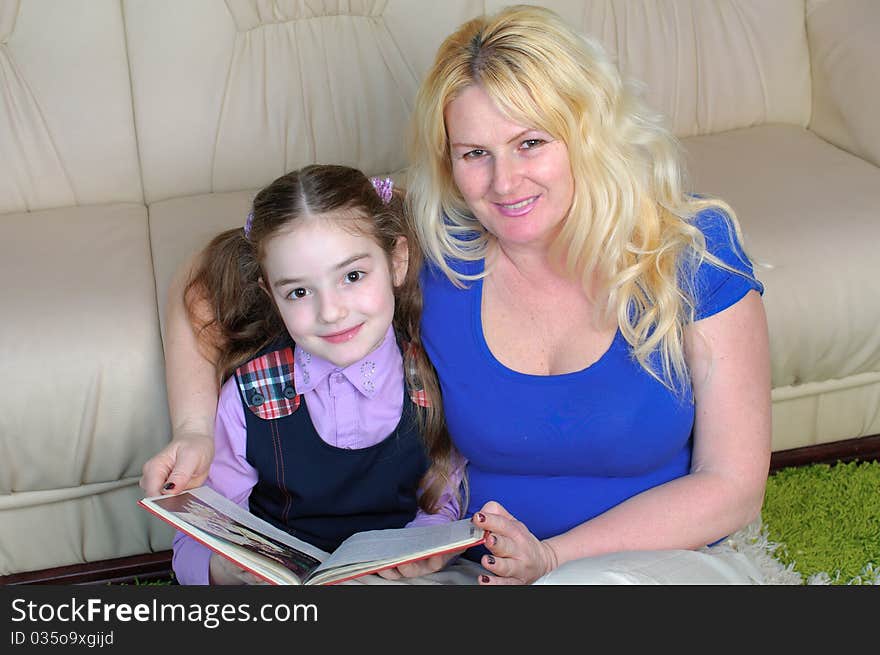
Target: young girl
[[328, 422]]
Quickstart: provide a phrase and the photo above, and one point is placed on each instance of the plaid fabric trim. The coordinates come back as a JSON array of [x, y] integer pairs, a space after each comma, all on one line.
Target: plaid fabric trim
[[266, 384], [419, 397], [416, 390]]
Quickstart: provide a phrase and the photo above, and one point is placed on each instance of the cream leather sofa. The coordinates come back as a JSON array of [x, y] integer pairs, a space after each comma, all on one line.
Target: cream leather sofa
[[133, 130]]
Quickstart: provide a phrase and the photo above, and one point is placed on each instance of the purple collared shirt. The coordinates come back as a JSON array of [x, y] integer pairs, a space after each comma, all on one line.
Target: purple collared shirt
[[356, 406], [352, 407]]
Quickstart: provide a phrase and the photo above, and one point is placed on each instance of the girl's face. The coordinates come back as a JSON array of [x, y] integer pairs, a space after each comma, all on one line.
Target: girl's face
[[516, 179], [333, 287]]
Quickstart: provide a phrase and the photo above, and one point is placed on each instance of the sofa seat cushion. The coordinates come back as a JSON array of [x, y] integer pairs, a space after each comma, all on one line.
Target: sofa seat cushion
[[812, 212], [82, 358], [88, 523]]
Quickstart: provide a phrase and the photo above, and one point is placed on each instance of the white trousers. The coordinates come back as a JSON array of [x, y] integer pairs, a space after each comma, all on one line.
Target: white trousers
[[708, 566], [658, 567]]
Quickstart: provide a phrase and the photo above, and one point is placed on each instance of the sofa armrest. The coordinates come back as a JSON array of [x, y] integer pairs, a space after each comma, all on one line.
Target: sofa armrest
[[844, 52]]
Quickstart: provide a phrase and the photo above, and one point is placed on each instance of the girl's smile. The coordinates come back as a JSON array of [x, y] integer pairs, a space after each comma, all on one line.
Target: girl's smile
[[342, 337]]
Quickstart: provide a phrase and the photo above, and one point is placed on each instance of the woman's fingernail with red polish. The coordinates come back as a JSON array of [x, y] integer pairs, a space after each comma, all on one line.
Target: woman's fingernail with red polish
[[481, 517], [484, 579], [169, 486], [490, 559]]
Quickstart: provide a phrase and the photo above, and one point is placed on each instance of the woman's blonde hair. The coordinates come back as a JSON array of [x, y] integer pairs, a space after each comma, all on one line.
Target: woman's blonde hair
[[629, 229]]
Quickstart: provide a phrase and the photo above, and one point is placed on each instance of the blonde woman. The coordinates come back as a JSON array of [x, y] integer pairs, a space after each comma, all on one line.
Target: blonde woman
[[598, 333]]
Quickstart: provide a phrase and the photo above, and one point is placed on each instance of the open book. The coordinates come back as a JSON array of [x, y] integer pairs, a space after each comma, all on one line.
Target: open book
[[280, 558]]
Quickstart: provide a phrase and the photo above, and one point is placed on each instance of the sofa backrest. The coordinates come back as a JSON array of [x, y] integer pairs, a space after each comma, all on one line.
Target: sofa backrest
[[229, 95], [843, 39], [710, 66], [66, 128], [202, 96]]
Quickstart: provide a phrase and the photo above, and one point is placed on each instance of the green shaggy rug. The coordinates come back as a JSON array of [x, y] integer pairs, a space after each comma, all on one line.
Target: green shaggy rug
[[820, 524]]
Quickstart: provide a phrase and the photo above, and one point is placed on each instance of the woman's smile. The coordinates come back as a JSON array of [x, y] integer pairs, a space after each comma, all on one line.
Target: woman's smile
[[517, 208]]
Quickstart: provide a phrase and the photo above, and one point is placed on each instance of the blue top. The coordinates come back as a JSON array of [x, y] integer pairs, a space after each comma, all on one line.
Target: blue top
[[558, 450]]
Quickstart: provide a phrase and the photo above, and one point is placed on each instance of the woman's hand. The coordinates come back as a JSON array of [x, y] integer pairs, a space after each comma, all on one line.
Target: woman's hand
[[517, 556], [419, 568], [223, 572], [182, 464]]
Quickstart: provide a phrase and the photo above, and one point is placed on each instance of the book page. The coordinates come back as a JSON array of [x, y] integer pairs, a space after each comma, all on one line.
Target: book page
[[373, 548], [238, 531]]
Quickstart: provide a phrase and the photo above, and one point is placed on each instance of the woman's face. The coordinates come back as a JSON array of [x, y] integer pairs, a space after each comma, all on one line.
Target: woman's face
[[516, 179]]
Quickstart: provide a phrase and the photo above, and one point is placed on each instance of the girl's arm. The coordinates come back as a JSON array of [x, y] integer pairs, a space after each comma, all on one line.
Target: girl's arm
[[449, 505], [728, 356], [192, 400], [450, 509]]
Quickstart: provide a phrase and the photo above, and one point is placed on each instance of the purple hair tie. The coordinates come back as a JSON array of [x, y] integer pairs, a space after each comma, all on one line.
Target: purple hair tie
[[248, 224], [384, 188]]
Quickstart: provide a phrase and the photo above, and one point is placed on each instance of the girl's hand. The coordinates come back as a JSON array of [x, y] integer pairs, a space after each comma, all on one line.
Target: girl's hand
[[517, 556], [182, 464], [223, 572], [419, 568]]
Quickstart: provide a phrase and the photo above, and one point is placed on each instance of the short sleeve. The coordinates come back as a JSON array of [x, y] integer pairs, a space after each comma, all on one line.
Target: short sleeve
[[716, 288]]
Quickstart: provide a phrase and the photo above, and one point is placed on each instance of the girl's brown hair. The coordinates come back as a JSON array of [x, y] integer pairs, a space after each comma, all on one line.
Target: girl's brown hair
[[235, 318]]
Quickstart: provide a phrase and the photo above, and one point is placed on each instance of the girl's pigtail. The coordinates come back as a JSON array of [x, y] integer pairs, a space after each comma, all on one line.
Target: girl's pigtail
[[422, 381], [226, 304]]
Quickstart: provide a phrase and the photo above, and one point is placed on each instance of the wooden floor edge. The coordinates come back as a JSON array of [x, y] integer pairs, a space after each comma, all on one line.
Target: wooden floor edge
[[139, 569], [136, 569], [861, 448]]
